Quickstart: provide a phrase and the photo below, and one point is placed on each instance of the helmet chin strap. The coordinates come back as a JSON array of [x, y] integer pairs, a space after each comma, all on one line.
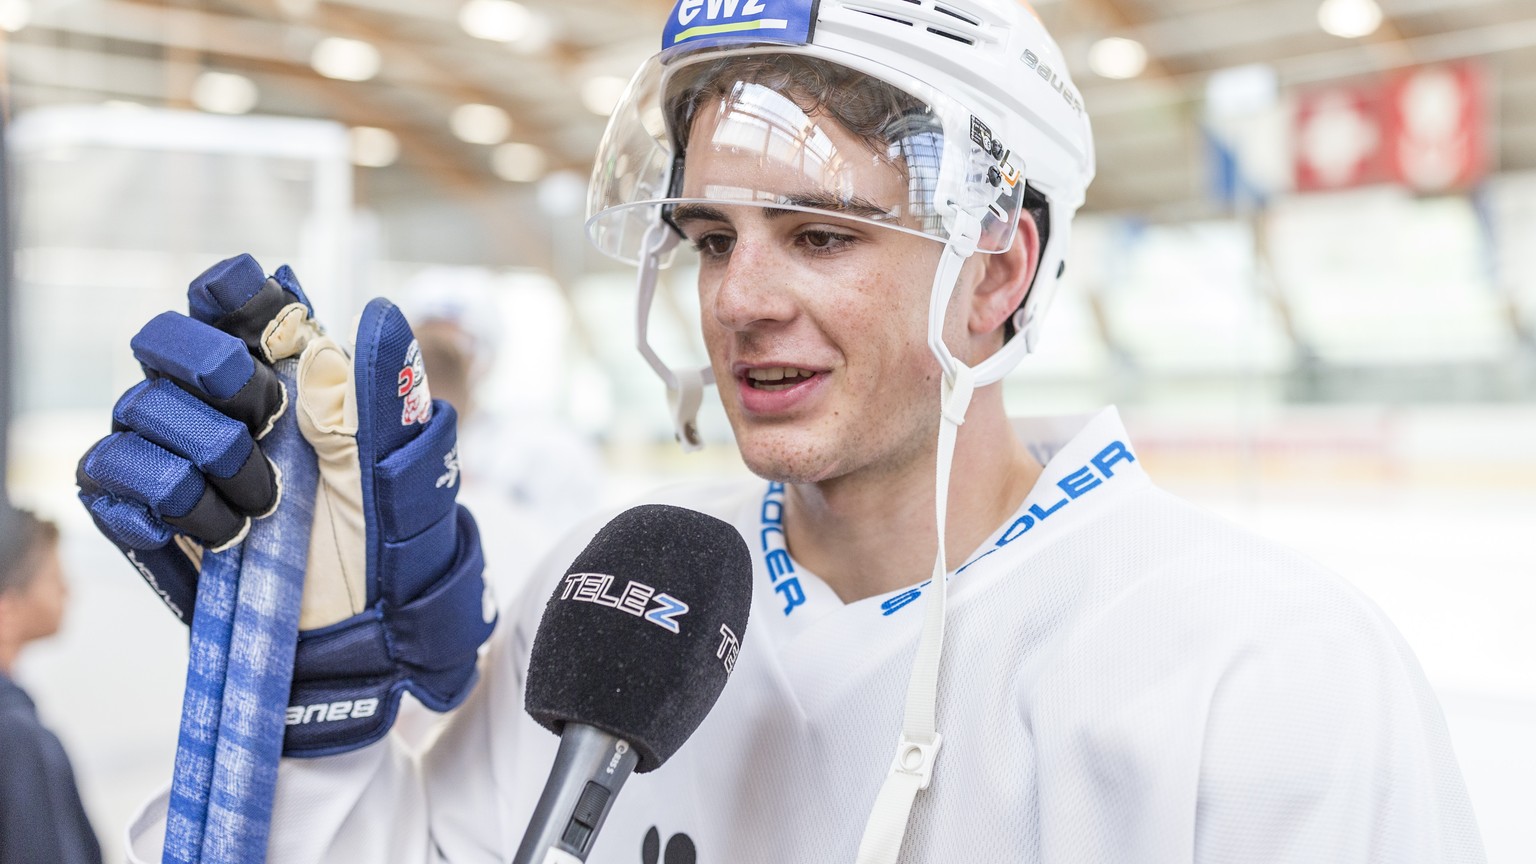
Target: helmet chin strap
[[685, 389], [912, 769]]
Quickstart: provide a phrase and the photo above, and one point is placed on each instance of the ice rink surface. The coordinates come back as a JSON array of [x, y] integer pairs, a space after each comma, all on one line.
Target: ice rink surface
[[1454, 567], [1457, 574]]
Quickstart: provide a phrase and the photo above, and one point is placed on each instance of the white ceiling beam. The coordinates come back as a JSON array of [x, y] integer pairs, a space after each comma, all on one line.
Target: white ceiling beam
[[1255, 23], [1436, 48], [1108, 98], [218, 35]]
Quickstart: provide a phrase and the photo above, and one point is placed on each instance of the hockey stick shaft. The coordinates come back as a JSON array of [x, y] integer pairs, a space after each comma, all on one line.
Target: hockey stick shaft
[[223, 791]]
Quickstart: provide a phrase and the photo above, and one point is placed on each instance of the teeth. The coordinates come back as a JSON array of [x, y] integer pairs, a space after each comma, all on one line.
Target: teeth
[[768, 378], [778, 373]]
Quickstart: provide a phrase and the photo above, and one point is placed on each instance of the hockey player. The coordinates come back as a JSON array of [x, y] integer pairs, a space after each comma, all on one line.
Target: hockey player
[[877, 195]]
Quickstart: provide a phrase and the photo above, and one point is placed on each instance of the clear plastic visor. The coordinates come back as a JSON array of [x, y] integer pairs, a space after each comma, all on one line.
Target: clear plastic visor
[[788, 129]]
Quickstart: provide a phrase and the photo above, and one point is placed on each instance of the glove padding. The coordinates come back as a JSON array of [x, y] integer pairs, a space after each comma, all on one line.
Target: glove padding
[[394, 597]]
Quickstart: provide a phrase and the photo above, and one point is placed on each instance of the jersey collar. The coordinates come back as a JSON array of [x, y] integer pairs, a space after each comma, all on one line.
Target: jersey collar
[[1089, 464]]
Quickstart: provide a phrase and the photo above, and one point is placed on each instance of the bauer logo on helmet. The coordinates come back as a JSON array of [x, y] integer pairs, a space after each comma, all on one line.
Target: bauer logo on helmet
[[1055, 79]]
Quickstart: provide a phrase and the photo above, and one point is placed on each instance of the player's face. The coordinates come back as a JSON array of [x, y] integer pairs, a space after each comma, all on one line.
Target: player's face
[[37, 609], [816, 325]]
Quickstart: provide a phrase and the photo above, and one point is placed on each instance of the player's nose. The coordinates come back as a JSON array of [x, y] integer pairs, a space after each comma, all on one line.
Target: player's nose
[[755, 286]]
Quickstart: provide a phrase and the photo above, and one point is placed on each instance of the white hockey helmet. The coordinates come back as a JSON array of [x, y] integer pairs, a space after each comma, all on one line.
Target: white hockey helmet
[[971, 100]]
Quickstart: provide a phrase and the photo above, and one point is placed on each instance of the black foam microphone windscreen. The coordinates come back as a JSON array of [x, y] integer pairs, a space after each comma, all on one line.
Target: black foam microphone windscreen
[[642, 632]]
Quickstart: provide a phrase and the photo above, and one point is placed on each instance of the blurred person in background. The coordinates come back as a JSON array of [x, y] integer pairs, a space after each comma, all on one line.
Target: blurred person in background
[[41, 815], [522, 470]]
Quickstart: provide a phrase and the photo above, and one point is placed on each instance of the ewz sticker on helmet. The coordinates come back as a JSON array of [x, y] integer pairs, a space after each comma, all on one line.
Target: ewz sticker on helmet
[[716, 22]]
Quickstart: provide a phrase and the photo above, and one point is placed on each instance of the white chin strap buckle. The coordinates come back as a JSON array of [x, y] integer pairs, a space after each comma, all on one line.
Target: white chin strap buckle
[[685, 399], [916, 758]]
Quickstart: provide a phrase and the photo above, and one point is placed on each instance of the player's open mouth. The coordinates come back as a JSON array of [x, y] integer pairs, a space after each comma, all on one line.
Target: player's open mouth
[[777, 377]]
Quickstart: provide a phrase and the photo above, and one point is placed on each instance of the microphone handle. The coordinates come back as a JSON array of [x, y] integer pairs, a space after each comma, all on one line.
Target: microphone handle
[[589, 769]]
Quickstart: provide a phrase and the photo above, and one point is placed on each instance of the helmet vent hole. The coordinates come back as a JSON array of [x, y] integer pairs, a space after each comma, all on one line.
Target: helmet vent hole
[[955, 36], [891, 18], [953, 14], [958, 31]]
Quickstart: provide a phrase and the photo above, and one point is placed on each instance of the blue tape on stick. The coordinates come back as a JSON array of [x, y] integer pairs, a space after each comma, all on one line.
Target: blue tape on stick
[[241, 670], [201, 706]]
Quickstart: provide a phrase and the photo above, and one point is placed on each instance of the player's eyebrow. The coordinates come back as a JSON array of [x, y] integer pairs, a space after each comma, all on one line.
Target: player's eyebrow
[[857, 205], [685, 213]]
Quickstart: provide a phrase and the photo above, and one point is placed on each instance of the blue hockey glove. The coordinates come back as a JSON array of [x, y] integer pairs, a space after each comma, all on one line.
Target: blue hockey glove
[[394, 597]]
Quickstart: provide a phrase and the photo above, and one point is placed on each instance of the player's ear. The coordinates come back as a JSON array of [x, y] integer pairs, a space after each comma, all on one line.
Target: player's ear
[[1005, 280]]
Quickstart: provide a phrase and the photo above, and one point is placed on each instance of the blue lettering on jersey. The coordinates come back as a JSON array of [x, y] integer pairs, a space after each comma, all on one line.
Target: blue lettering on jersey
[[894, 602], [1074, 486], [781, 567], [700, 23]]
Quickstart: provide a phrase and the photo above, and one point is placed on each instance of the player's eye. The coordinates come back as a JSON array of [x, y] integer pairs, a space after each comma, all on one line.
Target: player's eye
[[714, 244], [820, 241]]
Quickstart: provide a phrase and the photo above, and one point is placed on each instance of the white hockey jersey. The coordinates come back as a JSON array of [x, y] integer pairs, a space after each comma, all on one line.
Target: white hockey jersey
[[1125, 679]]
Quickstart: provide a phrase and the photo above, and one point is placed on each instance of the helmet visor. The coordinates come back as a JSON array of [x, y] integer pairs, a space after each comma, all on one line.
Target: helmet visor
[[790, 129]]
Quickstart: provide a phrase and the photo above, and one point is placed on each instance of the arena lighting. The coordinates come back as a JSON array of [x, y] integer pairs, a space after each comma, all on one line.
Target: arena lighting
[[1117, 57], [517, 162], [14, 15], [537, 36], [224, 93], [480, 124], [345, 59], [601, 93], [495, 20], [373, 147], [1349, 19], [563, 194]]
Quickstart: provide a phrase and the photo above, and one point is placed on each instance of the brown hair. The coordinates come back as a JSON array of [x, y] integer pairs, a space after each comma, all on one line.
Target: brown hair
[[23, 536], [895, 126], [863, 105]]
